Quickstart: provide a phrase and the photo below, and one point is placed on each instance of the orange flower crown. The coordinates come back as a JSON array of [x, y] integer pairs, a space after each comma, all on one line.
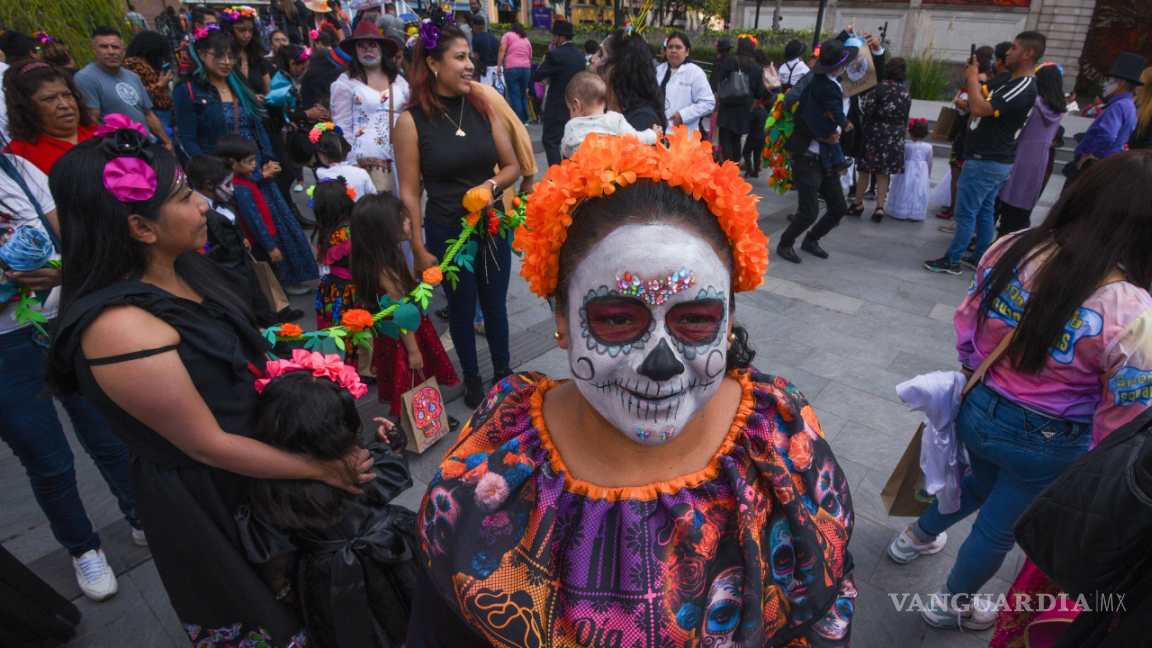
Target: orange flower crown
[[605, 162]]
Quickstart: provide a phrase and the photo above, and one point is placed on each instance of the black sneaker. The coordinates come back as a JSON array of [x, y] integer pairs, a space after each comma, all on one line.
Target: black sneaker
[[442, 313], [473, 391], [943, 265], [970, 261], [453, 423]]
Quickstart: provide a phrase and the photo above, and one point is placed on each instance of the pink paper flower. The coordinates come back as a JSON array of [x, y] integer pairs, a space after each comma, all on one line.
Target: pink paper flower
[[322, 366], [129, 179], [115, 122], [491, 491]]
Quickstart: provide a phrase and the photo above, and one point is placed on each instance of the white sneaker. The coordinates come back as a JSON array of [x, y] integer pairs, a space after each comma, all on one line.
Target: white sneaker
[[904, 549], [94, 576], [941, 613], [139, 538]]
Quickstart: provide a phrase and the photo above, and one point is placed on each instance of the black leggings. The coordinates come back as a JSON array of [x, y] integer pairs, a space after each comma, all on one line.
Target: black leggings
[[729, 144], [1012, 218]]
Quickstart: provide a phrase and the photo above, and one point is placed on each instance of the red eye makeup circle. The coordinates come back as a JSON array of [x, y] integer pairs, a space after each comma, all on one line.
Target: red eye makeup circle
[[617, 320], [696, 322]]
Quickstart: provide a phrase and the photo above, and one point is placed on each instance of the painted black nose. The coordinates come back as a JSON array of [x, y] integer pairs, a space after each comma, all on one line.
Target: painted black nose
[[661, 364]]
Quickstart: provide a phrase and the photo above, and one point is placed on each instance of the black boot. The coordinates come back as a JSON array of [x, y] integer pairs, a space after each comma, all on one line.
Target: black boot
[[500, 374], [473, 391], [812, 246], [787, 253]]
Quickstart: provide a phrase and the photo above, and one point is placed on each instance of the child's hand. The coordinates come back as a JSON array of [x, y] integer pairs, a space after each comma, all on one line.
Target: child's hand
[[848, 127], [348, 472], [388, 434], [659, 131], [415, 361], [385, 427], [275, 255], [271, 169]]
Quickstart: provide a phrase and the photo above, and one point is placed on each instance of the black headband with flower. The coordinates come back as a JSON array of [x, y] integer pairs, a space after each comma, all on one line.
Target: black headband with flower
[[430, 27]]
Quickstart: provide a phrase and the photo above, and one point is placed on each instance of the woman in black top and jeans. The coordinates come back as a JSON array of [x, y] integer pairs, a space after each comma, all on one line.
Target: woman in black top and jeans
[[452, 139], [732, 120]]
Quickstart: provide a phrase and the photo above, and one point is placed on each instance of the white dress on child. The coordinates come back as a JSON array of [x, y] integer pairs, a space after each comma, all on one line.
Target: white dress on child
[[908, 198]]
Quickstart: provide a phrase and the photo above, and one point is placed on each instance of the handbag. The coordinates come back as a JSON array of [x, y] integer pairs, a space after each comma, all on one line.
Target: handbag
[[771, 77], [944, 123], [422, 415], [735, 89], [270, 285]]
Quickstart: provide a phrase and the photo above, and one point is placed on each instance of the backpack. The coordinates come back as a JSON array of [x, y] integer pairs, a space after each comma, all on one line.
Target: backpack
[[735, 90], [1091, 526]]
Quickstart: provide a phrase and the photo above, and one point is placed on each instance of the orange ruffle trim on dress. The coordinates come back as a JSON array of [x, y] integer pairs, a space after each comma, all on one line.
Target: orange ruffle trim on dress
[[647, 492]]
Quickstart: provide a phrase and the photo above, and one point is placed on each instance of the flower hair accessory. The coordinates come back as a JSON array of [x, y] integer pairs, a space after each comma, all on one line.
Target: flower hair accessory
[[430, 27], [202, 32], [749, 37], [238, 12], [115, 122], [130, 179], [43, 38], [313, 34], [303, 55], [349, 190], [322, 366], [917, 120], [1058, 67], [318, 130], [603, 163]]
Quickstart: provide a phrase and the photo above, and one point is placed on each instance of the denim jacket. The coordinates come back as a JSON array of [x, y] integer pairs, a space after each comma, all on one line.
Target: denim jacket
[[200, 120]]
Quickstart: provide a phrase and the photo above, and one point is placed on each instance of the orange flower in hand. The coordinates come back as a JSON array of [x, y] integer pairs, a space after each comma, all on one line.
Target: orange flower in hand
[[477, 199], [290, 331], [432, 275], [356, 320]]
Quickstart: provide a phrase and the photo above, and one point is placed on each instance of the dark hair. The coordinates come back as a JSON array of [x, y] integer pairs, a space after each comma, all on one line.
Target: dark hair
[[219, 43], [198, 14], [131, 8], [760, 56], [305, 414], [236, 147], [478, 21], [204, 169], [985, 59], [333, 146], [591, 46], [919, 129], [255, 49], [276, 31], [631, 75], [333, 210], [150, 47], [55, 53], [1035, 41], [518, 29], [387, 66], [285, 55], [423, 83], [682, 37], [1100, 224], [646, 203], [24, 122], [97, 248], [745, 51], [1001, 50], [328, 37], [896, 70], [17, 46], [1050, 88], [377, 227], [105, 30]]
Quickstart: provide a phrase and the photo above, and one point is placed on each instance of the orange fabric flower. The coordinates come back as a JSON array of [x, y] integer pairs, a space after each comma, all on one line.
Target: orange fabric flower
[[472, 218], [451, 469], [605, 162], [290, 331], [800, 451], [356, 320], [432, 275], [477, 199]]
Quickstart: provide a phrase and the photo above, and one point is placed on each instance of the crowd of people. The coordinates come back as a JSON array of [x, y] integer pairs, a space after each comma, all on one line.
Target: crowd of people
[[146, 195]]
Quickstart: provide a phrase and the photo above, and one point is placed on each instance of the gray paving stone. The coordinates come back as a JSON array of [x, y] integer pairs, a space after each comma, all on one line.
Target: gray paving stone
[[830, 424], [910, 365], [147, 580], [763, 300], [809, 384], [137, 629], [869, 448], [937, 638], [866, 502], [869, 410], [876, 624], [877, 382], [411, 498], [868, 544], [129, 601]]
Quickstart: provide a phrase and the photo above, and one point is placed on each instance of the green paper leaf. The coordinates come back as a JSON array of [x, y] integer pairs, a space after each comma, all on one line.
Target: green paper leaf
[[389, 328], [423, 301], [339, 342], [338, 332], [407, 317], [313, 343]]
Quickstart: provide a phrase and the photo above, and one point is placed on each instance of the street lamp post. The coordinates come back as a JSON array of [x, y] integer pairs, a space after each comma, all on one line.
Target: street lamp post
[[819, 24], [756, 23]]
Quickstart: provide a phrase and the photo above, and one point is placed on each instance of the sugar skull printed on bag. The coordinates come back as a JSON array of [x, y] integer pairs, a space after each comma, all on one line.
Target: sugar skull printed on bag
[[426, 411]]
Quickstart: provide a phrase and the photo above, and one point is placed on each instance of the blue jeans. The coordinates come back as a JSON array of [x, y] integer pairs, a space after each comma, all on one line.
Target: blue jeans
[[979, 184], [31, 427], [1015, 453], [487, 288], [516, 82]]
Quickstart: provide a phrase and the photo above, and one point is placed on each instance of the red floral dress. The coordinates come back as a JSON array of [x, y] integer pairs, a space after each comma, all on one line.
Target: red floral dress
[[390, 360]]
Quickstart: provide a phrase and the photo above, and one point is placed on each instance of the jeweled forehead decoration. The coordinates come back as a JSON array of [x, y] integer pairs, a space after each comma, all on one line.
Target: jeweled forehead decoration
[[656, 291]]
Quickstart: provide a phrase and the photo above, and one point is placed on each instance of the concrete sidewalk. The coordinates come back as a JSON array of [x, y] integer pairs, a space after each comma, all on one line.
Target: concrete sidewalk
[[846, 330]]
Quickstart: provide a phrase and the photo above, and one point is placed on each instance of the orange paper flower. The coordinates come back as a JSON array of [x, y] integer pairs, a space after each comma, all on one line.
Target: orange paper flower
[[472, 218], [290, 331], [432, 275], [356, 320], [477, 199], [605, 162]]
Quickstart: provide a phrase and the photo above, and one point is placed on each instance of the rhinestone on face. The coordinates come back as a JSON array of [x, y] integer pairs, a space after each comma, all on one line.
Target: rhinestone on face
[[656, 291]]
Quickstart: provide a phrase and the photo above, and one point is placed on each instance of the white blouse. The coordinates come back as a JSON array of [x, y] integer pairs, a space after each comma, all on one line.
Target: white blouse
[[363, 114]]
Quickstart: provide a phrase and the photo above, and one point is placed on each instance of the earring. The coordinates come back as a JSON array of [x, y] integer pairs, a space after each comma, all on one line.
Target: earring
[[436, 74], [731, 337], [557, 335]]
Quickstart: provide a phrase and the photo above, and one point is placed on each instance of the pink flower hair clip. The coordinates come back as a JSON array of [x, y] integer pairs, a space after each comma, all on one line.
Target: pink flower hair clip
[[322, 366], [202, 32], [303, 55]]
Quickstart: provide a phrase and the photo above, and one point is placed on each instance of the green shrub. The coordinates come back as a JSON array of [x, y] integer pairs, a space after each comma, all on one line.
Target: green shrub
[[929, 77], [70, 21]]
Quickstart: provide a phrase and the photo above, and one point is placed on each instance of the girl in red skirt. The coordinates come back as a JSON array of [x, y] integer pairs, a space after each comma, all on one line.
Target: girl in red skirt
[[379, 224]]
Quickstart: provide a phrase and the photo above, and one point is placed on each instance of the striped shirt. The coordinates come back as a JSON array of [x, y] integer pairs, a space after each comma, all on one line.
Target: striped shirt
[[993, 138]]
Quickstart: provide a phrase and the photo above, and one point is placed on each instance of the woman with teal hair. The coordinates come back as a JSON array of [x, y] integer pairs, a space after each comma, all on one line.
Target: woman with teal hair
[[213, 101]]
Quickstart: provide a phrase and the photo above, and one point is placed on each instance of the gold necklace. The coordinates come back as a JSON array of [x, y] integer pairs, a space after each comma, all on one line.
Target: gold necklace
[[459, 130]]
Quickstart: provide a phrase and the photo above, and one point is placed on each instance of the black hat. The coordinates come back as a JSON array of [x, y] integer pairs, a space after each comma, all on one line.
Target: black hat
[[793, 50], [723, 44], [562, 28], [1128, 66], [833, 54]]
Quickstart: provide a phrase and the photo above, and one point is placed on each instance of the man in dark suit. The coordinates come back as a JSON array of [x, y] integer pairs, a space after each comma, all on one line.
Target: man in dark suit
[[563, 62]]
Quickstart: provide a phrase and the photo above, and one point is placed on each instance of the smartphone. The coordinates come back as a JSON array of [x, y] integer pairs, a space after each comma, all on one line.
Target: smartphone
[[972, 54], [165, 67]]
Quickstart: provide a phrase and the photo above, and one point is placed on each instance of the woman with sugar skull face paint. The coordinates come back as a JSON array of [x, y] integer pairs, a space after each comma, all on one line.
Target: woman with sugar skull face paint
[[668, 494], [368, 99]]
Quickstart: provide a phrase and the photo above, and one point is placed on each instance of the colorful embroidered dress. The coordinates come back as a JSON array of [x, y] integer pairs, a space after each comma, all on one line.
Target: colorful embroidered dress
[[751, 550], [336, 293]]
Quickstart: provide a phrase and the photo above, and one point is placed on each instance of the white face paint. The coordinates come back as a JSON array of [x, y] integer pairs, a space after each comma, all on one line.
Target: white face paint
[[368, 53], [649, 356], [1110, 86], [225, 190]]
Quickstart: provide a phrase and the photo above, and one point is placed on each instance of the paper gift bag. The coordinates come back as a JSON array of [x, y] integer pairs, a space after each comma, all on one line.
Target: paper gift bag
[[899, 493], [945, 123], [860, 75], [422, 415], [270, 286]]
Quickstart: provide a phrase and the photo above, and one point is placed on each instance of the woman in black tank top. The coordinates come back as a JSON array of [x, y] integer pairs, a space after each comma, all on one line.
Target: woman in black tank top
[[153, 336], [451, 139]]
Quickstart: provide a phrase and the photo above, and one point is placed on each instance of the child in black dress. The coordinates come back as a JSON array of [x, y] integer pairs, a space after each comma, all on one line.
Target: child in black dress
[[345, 562]]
